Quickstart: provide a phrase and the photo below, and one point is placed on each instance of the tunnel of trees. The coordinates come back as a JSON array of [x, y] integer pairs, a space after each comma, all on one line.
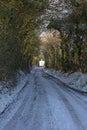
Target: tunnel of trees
[[20, 23], [67, 50]]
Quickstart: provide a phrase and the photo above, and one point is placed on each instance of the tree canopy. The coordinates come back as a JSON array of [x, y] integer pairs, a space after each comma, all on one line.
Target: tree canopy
[[73, 33], [19, 21]]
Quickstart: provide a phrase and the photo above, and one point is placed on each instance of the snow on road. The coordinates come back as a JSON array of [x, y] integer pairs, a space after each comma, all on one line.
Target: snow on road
[[45, 105]]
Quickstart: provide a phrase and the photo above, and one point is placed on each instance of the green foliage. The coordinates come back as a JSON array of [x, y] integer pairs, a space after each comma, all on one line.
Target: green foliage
[[18, 28], [73, 31]]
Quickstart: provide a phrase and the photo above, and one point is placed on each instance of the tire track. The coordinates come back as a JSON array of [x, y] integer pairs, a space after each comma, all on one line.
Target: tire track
[[45, 115], [67, 104]]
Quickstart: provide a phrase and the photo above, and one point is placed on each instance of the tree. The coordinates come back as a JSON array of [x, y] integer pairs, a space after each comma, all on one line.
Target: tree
[[50, 44], [18, 25], [72, 28]]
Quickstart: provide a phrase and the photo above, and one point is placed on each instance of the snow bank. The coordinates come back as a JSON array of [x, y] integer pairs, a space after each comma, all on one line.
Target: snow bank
[[76, 80], [7, 97]]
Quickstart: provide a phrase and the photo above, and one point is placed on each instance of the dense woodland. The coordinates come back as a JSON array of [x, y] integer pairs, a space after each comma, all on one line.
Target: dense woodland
[[20, 22], [68, 50]]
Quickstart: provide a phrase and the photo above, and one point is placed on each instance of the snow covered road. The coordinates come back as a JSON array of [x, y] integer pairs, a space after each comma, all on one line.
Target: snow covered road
[[46, 105]]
